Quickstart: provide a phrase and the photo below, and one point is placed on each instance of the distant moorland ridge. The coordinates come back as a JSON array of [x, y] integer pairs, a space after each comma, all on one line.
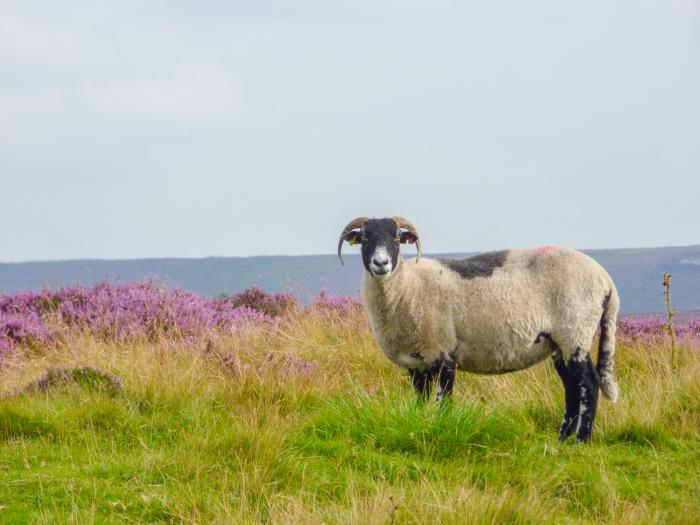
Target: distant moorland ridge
[[637, 273]]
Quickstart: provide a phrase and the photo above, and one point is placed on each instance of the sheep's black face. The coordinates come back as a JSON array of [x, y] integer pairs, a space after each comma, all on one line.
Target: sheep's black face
[[380, 239]]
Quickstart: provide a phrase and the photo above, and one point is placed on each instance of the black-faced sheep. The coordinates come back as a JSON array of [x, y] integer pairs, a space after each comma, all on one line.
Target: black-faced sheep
[[490, 314]]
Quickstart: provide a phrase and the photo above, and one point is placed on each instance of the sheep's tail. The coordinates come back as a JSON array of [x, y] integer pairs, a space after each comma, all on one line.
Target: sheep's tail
[[606, 346]]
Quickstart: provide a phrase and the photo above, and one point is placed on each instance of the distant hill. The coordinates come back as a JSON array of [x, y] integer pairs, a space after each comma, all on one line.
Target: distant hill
[[637, 273]]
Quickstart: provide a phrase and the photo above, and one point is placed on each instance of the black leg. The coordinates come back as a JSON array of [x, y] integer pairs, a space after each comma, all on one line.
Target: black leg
[[581, 383], [446, 380], [422, 383], [568, 424], [589, 384]]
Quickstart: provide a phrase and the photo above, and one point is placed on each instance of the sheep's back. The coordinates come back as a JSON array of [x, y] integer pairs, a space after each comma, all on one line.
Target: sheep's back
[[556, 291]]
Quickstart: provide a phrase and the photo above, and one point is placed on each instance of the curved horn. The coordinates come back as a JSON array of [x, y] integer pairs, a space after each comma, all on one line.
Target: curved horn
[[406, 225], [356, 223]]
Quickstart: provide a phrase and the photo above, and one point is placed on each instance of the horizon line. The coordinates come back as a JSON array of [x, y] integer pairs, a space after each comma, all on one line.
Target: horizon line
[[199, 258]]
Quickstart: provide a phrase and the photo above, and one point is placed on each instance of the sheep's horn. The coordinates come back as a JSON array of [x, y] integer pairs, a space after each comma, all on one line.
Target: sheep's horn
[[356, 223], [406, 225]]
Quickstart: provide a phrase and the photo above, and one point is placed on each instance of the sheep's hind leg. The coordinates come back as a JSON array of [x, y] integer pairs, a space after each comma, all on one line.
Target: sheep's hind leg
[[588, 384], [581, 383], [570, 421], [422, 383]]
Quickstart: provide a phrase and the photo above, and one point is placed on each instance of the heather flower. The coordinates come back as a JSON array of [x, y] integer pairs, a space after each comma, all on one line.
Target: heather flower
[[273, 305], [325, 303], [22, 328], [349, 311], [118, 312], [653, 329]]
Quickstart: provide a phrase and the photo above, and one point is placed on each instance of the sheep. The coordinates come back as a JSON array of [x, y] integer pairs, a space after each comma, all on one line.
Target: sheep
[[492, 313]]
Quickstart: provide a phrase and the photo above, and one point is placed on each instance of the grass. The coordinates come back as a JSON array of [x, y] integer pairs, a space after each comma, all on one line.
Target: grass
[[238, 435]]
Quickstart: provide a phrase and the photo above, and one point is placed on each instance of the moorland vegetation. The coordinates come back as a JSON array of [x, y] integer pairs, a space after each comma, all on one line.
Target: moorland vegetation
[[133, 403]]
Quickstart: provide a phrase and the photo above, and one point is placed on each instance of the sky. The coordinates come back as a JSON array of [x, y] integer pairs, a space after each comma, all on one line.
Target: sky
[[232, 128]]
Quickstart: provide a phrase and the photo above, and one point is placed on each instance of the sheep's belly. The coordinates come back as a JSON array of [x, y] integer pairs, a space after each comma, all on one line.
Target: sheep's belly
[[498, 359], [405, 360]]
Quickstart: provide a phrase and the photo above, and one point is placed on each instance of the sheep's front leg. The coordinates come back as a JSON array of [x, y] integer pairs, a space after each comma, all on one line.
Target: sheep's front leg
[[422, 383], [446, 380]]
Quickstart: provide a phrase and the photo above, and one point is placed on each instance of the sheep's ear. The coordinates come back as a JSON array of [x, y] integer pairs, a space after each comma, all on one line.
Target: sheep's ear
[[353, 238], [408, 238]]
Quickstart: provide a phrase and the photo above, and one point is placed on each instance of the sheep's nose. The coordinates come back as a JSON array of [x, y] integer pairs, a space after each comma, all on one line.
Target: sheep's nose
[[380, 262]]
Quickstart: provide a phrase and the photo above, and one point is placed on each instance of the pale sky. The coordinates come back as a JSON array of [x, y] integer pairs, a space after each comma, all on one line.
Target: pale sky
[[151, 129]]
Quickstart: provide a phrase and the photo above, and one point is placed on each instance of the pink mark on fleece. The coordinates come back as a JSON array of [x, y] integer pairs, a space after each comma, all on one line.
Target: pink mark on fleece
[[545, 248]]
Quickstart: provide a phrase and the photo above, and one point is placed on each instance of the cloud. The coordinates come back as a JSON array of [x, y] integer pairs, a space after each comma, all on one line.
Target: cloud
[[187, 94]]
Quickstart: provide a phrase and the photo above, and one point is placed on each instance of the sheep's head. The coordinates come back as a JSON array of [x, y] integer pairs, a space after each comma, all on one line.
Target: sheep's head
[[380, 240]]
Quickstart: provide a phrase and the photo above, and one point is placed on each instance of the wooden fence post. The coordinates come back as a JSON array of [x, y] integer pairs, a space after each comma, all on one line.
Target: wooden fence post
[[670, 312]]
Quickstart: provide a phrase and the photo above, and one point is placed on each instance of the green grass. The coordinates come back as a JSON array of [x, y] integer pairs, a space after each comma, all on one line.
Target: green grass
[[195, 440]]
